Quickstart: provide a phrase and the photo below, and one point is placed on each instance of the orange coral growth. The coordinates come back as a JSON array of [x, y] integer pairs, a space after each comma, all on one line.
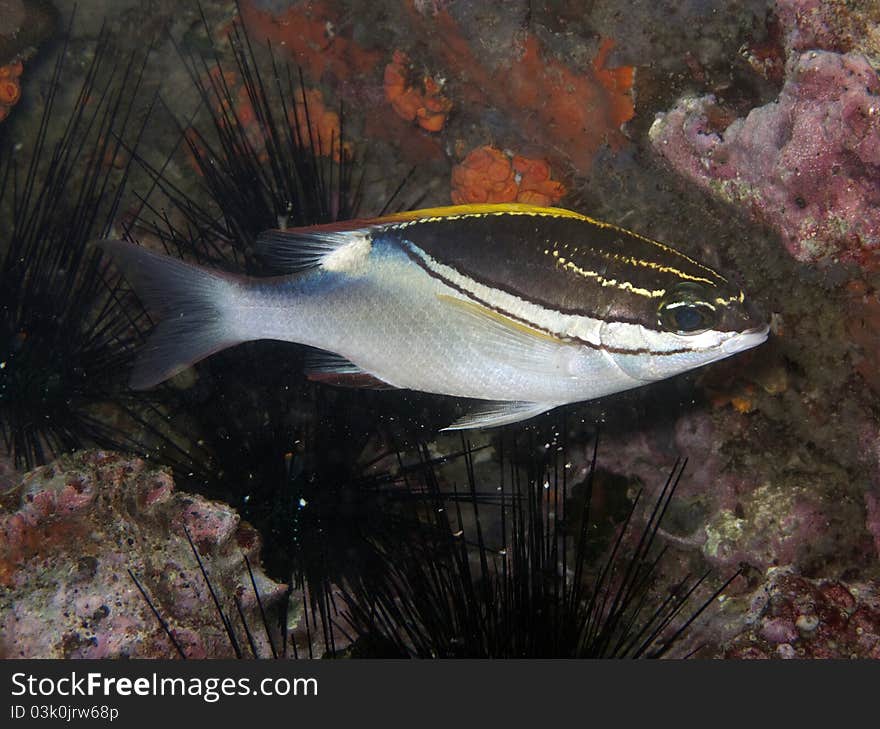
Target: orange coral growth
[[10, 87], [309, 32], [12, 70], [535, 185], [741, 398], [617, 82], [578, 113], [488, 175], [322, 124], [318, 126], [484, 176], [10, 91], [572, 112], [427, 107]]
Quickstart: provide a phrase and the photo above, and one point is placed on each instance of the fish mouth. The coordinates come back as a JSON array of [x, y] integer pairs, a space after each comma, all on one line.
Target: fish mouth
[[747, 339]]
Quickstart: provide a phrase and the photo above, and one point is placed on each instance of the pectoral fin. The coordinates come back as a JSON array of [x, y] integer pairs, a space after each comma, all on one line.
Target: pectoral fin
[[492, 414]]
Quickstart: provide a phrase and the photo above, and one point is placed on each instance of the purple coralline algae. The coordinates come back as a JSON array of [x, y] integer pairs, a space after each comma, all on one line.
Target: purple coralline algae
[[791, 616], [831, 25], [807, 164], [71, 530]]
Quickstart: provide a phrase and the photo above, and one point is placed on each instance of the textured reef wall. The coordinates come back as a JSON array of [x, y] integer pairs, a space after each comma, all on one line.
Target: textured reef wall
[[808, 162], [69, 533]]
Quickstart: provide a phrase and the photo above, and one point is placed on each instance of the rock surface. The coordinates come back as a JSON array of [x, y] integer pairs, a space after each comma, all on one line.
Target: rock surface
[[68, 536]]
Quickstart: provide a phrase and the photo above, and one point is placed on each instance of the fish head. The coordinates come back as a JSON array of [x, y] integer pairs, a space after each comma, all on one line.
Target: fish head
[[688, 325]]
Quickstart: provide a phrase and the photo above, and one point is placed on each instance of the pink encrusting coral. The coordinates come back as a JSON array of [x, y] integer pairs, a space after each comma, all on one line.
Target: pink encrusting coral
[[80, 524], [808, 164], [831, 25]]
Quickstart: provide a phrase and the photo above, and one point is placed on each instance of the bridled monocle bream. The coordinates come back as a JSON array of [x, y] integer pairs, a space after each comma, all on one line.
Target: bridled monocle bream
[[523, 307]]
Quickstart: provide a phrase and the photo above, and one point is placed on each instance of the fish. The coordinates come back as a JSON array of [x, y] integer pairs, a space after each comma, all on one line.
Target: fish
[[522, 308]]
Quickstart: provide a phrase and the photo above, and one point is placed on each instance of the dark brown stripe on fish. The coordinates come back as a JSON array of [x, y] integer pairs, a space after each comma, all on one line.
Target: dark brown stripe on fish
[[565, 263], [423, 264]]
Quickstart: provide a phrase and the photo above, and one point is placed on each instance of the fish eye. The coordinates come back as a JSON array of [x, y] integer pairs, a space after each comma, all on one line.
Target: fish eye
[[685, 309]]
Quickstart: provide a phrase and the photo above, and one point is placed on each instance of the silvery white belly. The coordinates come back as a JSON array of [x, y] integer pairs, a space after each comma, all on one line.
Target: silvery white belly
[[393, 320]]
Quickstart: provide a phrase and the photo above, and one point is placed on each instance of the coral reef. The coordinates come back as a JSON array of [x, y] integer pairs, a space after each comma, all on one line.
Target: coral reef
[[571, 112], [791, 616], [734, 509], [310, 32], [84, 520], [807, 164], [420, 102], [831, 25], [488, 175], [785, 465]]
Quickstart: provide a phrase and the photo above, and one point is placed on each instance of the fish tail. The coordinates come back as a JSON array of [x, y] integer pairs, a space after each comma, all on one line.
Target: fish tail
[[190, 303]]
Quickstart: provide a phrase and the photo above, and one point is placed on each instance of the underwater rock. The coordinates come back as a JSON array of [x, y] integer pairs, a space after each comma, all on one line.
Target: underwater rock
[[731, 507], [831, 25], [791, 616], [807, 164], [872, 520], [80, 524], [24, 25], [869, 442], [772, 523], [863, 329]]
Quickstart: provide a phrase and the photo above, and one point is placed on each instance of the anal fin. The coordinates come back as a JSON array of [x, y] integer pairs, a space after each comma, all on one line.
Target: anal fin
[[330, 368], [491, 414]]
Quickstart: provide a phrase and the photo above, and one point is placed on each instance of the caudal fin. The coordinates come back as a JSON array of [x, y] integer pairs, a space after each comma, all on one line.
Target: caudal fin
[[189, 304]]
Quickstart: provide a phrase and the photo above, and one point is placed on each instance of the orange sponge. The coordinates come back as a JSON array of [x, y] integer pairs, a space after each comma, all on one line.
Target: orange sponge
[[10, 87], [419, 101], [488, 175]]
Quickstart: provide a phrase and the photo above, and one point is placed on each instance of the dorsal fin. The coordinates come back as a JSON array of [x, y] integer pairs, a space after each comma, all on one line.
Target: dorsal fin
[[338, 247], [461, 211]]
